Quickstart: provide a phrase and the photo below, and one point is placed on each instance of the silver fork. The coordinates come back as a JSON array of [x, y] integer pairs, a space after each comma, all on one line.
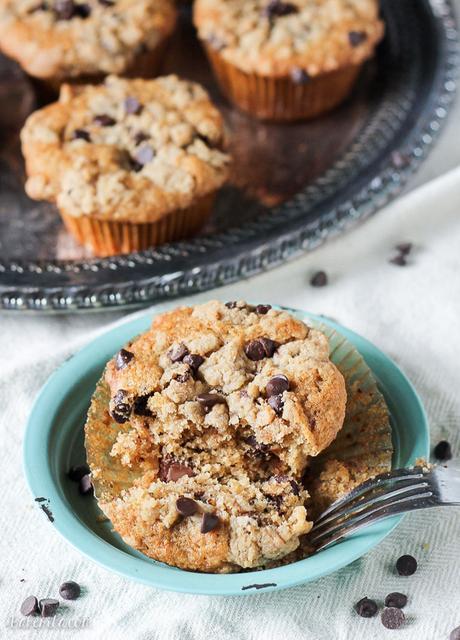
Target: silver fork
[[384, 496]]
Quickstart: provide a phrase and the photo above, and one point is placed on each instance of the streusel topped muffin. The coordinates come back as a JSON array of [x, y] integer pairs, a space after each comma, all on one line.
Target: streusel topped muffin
[[64, 39], [218, 409], [132, 151]]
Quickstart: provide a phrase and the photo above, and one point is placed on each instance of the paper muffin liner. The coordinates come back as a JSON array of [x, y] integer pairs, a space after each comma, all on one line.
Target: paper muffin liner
[[362, 449], [280, 98], [110, 237]]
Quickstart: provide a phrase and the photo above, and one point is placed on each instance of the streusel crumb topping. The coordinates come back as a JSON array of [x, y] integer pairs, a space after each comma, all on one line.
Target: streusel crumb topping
[[273, 37]]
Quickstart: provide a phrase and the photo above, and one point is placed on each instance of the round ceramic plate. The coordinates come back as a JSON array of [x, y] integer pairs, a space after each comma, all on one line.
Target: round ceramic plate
[[54, 442]]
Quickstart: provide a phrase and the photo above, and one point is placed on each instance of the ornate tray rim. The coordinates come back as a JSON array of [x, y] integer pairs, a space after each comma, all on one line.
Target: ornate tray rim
[[196, 265]]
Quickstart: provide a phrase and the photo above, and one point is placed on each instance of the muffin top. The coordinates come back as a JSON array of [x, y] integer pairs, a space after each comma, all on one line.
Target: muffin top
[[300, 38], [127, 150], [67, 38], [221, 405]]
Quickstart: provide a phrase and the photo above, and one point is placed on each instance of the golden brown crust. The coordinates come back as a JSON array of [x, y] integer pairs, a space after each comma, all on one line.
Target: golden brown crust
[[314, 36], [94, 155], [107, 41]]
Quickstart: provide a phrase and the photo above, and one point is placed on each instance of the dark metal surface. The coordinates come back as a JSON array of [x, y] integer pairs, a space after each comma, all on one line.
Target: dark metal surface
[[293, 186]]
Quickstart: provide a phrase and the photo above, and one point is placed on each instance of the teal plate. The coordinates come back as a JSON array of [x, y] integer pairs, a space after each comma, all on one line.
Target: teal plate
[[54, 442]]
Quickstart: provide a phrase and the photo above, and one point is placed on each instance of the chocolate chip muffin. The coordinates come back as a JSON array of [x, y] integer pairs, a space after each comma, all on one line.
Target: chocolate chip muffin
[[288, 60], [130, 163], [69, 40], [212, 416]]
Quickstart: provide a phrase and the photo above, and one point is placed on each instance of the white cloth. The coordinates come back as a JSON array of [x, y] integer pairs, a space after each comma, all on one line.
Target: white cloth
[[412, 313]]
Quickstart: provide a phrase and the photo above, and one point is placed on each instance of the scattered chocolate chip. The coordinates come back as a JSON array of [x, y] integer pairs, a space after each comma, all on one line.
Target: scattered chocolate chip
[[262, 309], [186, 506], [135, 166], [294, 486], [123, 358], [231, 305], [144, 154], [140, 136], [132, 105], [122, 409], [85, 486], [81, 134], [48, 607], [47, 511], [443, 451], [277, 404], [299, 76], [183, 377], [261, 450], [396, 599], [103, 120], [64, 9], [319, 279], [209, 400], [177, 354], [399, 260], [406, 565], [70, 590], [392, 618], [30, 606], [278, 8], [76, 473], [366, 608], [260, 348], [455, 634], [177, 470], [277, 385], [194, 361], [140, 406], [107, 3], [209, 522], [404, 247], [357, 37], [82, 10]]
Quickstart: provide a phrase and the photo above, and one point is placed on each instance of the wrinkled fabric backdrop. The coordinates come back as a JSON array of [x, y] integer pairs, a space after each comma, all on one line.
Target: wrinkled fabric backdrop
[[412, 313]]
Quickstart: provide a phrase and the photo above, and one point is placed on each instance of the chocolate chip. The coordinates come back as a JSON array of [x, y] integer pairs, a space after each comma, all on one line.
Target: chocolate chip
[[319, 279], [85, 485], [366, 608], [262, 309], [183, 377], [177, 354], [81, 134], [123, 358], [186, 506], [277, 9], [70, 590], [132, 105], [396, 599], [48, 607], [209, 522], [260, 348], [277, 404], [82, 10], [231, 305], [140, 406], [64, 9], [277, 385], [30, 606], [357, 37], [294, 486], [209, 400], [76, 473], [261, 450], [455, 634], [176, 470], [399, 260], [443, 451], [300, 76], [406, 565], [103, 120], [107, 3], [392, 618], [122, 409], [194, 361], [144, 155], [404, 247], [140, 137]]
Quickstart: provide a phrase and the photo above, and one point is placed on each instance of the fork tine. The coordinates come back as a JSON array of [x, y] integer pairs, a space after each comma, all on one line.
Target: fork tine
[[423, 502], [371, 497], [380, 480]]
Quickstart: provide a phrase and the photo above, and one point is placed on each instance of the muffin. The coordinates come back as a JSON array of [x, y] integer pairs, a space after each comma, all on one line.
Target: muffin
[[60, 41], [200, 431], [286, 61], [129, 163]]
